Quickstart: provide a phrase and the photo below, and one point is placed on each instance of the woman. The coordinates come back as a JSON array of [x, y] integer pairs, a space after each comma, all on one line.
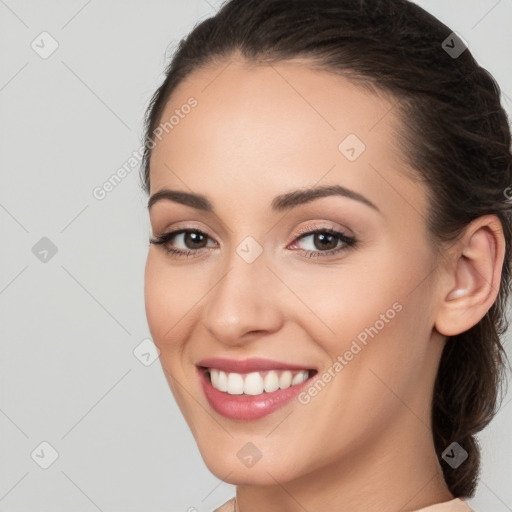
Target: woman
[[330, 252]]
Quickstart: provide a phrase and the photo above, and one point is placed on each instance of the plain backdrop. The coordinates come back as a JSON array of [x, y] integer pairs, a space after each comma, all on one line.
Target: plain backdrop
[[77, 392]]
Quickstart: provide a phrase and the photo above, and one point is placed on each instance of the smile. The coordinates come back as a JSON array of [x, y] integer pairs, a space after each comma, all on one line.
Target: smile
[[250, 389], [255, 383]]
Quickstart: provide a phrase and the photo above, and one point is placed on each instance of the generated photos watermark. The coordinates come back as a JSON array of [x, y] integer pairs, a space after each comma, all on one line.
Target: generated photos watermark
[[100, 192], [355, 348]]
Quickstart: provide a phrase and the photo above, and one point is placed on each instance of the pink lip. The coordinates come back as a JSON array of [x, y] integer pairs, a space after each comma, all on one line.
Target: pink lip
[[247, 365], [247, 407]]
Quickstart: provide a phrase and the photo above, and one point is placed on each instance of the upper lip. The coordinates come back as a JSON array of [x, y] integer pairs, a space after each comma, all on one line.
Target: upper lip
[[248, 365]]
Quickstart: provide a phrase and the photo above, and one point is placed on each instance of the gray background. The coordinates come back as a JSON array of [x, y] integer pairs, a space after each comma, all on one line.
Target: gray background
[[70, 324]]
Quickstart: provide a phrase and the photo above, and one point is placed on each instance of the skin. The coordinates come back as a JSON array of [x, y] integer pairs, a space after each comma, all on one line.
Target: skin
[[364, 443]]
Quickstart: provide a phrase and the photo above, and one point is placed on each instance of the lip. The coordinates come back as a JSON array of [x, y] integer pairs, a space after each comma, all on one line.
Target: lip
[[247, 407], [248, 365]]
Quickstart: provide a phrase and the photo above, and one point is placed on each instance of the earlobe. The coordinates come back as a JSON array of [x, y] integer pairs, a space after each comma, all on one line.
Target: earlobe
[[475, 276]]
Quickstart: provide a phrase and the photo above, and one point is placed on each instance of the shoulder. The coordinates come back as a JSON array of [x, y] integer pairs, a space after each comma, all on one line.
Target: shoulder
[[229, 506], [456, 505]]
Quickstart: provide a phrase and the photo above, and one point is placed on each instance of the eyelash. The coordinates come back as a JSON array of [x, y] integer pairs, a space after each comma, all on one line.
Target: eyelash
[[348, 242]]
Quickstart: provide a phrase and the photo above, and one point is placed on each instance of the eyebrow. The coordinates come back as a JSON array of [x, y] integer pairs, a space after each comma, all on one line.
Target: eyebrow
[[280, 203]]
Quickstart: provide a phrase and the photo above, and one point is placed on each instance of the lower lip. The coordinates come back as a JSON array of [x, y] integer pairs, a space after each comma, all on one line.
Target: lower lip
[[248, 407]]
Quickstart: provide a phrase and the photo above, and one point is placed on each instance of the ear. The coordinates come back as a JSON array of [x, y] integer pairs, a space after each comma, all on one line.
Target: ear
[[472, 278]]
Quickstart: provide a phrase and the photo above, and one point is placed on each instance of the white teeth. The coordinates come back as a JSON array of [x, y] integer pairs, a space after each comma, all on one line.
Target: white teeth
[[285, 381], [271, 382], [222, 384], [214, 375], [235, 384], [255, 383], [299, 378]]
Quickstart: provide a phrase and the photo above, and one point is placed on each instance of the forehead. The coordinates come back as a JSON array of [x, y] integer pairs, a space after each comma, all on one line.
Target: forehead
[[275, 127]]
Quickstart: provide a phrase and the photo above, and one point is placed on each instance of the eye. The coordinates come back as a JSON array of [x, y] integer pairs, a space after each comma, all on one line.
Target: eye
[[194, 241], [325, 242]]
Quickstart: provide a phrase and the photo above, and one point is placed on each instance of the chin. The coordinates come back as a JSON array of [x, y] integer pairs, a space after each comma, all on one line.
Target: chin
[[239, 462], [262, 473]]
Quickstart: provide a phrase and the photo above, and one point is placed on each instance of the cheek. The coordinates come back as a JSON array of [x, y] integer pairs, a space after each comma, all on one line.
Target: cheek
[[165, 296], [170, 291], [341, 302], [383, 300], [155, 299], [166, 317]]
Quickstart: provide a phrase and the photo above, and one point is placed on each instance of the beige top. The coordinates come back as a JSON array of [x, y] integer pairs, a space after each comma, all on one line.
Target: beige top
[[456, 505]]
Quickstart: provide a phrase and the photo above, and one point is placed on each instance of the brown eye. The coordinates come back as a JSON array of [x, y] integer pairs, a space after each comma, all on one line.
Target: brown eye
[[324, 242], [194, 239], [191, 240]]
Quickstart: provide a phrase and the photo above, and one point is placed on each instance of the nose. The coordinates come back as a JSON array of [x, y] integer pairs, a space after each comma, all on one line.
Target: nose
[[244, 304]]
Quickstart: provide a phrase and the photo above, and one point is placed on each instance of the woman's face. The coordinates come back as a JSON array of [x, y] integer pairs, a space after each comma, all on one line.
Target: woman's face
[[259, 295]]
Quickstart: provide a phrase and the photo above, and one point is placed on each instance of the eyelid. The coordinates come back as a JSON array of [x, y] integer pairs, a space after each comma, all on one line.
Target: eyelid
[[186, 226], [329, 225], [340, 234], [348, 241], [302, 231]]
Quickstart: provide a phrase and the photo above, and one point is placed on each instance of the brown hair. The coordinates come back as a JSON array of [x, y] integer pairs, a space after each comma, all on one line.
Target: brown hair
[[457, 141]]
